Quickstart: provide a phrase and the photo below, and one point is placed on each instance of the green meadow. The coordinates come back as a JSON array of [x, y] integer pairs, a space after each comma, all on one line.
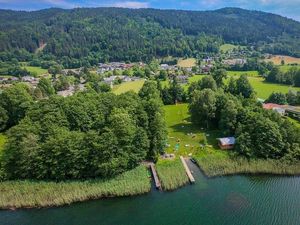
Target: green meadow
[[38, 71], [128, 86], [2, 141], [229, 47]]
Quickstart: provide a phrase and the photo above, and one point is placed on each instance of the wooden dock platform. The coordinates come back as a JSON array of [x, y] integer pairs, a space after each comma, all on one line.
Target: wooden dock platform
[[156, 180], [187, 170]]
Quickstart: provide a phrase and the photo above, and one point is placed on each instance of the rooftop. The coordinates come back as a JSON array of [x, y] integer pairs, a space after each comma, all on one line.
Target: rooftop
[[227, 140]]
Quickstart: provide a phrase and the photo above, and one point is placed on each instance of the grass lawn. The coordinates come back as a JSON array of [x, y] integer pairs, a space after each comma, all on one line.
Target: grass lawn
[[128, 86], [23, 194], [37, 70], [229, 47], [189, 62], [184, 138]]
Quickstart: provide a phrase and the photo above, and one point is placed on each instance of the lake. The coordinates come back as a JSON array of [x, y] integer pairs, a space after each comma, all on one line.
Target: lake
[[232, 200]]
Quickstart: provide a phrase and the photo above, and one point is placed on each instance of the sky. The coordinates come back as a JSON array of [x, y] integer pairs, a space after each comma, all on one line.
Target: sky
[[287, 8]]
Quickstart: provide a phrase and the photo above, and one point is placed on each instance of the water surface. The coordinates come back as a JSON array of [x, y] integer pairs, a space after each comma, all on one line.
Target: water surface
[[233, 200]]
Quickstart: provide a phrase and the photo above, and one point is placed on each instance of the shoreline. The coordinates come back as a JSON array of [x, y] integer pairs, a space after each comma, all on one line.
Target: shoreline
[[119, 183]]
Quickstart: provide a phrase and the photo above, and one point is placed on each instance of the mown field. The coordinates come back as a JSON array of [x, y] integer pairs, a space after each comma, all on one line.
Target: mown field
[[28, 194], [189, 62], [128, 86], [276, 59], [171, 174], [263, 89], [184, 138]]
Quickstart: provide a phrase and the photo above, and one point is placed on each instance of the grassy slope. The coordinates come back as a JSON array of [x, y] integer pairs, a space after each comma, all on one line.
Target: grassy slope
[[228, 47], [128, 86], [189, 62], [20, 194], [239, 73], [171, 174]]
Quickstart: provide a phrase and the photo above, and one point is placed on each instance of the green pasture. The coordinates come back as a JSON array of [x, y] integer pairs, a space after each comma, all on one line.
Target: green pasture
[[2, 141], [189, 62], [36, 70], [285, 68], [239, 73]]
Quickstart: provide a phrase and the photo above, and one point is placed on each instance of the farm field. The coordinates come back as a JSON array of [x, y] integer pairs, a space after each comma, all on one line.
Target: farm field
[[189, 62], [128, 86], [276, 59], [36, 70]]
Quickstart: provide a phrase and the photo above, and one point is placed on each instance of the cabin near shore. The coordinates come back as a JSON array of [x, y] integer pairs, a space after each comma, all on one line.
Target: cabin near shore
[[226, 143]]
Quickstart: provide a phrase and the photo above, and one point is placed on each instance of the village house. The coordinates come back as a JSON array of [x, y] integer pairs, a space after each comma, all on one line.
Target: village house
[[280, 109], [232, 62], [182, 79], [30, 80], [72, 72], [167, 67], [226, 143], [111, 80], [105, 67]]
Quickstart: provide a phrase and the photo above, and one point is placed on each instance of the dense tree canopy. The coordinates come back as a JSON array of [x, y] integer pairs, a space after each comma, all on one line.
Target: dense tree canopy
[[83, 136], [83, 37]]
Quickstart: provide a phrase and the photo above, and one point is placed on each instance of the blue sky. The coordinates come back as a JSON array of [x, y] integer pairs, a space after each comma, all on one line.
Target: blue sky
[[288, 8]]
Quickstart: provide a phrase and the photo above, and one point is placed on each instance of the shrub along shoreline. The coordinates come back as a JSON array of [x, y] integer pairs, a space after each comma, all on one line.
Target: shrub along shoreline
[[171, 174], [37, 194], [215, 166]]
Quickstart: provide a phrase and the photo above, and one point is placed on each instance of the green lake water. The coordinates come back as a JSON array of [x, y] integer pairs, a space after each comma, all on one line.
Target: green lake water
[[232, 200]]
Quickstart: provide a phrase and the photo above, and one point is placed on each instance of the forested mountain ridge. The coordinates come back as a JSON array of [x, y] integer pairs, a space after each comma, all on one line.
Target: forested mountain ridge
[[91, 35]]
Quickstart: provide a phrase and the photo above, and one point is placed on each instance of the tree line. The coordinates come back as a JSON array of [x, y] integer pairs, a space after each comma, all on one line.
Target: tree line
[[87, 135]]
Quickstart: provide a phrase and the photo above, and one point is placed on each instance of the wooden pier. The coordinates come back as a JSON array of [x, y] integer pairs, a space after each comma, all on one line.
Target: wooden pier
[[156, 180], [187, 170]]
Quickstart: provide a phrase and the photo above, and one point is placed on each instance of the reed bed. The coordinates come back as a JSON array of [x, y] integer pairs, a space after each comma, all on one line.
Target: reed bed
[[213, 165], [30, 194], [171, 174]]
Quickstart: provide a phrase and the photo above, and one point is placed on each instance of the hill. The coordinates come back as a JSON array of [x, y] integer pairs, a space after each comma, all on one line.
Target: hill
[[89, 35]]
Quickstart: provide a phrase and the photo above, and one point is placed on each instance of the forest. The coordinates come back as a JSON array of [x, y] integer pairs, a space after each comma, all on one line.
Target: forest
[[85, 37], [88, 135]]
